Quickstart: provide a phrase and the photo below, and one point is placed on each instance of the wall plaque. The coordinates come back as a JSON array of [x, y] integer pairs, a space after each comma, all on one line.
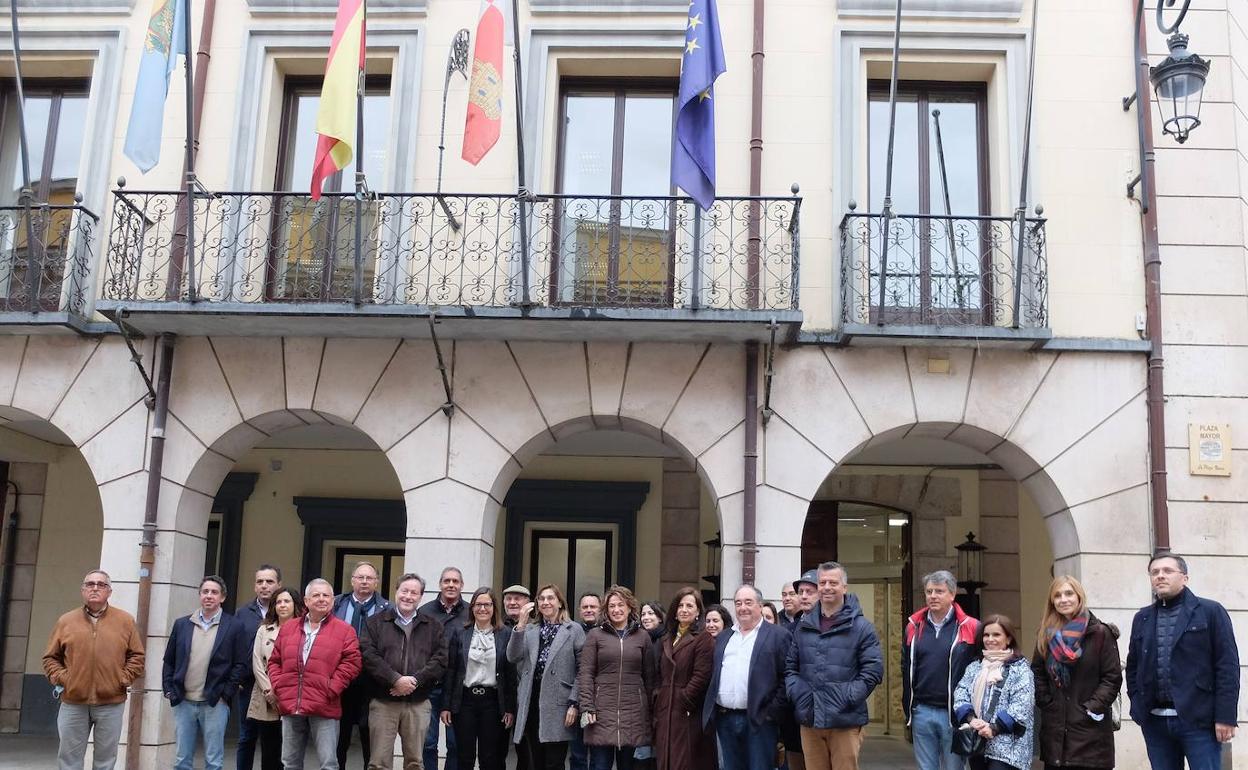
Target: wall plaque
[[1209, 448]]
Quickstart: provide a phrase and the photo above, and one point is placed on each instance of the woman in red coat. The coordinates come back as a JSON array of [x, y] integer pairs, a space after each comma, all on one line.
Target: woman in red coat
[[684, 653]]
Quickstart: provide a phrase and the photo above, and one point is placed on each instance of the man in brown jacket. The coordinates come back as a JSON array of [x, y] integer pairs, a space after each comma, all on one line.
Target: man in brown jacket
[[93, 655]]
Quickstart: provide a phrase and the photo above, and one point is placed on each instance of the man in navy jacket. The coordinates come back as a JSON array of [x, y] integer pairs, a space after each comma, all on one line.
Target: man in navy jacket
[[833, 665], [1182, 672], [251, 615], [746, 702], [205, 661]]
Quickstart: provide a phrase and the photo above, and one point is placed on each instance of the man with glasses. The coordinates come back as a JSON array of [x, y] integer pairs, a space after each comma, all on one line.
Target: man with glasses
[[353, 609], [93, 655]]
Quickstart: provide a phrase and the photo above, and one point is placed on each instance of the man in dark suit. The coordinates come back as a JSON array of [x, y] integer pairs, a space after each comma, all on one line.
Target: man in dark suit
[[205, 661], [251, 615], [1182, 672], [746, 700]]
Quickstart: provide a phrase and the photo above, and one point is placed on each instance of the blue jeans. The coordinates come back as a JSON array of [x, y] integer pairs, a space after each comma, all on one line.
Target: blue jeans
[[431, 737], [190, 719], [933, 738], [602, 757], [577, 749], [1169, 740], [744, 745]]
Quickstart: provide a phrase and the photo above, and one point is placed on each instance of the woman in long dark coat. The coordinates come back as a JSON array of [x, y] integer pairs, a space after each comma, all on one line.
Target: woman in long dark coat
[[684, 654], [1078, 675]]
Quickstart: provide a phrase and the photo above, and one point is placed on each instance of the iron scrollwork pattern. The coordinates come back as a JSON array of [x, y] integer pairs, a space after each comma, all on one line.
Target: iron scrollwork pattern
[[582, 251], [943, 271], [46, 254]]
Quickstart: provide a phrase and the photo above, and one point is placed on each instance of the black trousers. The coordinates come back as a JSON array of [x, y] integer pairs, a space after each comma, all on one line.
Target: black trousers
[[982, 763], [270, 744], [354, 715], [479, 729], [542, 756]]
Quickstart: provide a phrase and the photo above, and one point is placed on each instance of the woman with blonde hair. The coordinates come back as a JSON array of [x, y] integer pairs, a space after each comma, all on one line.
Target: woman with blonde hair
[[544, 648], [1078, 675], [615, 692]]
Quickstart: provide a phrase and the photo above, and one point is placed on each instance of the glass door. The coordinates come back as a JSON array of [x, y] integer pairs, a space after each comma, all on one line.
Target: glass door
[[577, 562]]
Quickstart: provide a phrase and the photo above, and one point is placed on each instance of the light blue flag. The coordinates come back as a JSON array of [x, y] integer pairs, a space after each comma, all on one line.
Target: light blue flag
[[161, 47]]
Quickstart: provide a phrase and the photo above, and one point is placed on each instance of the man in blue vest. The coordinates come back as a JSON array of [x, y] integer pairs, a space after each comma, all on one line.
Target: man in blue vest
[[354, 608], [1182, 672]]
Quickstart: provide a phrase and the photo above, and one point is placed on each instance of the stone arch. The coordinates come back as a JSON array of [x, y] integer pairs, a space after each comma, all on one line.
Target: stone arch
[[1070, 427]]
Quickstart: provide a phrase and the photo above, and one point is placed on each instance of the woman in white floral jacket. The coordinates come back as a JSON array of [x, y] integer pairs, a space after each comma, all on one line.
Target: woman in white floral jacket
[[997, 697]]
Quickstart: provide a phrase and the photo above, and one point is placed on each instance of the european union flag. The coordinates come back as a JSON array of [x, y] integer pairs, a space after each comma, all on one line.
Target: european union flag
[[162, 45], [693, 152]]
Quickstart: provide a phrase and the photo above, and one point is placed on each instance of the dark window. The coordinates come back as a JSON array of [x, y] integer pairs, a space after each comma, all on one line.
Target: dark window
[[615, 139], [314, 242], [939, 259]]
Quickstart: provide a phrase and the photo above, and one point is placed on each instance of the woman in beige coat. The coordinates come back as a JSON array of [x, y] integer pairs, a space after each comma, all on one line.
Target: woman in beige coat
[[284, 605]]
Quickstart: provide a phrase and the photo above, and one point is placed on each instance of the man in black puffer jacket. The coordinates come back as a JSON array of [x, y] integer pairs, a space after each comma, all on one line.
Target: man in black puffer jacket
[[834, 663], [1182, 672]]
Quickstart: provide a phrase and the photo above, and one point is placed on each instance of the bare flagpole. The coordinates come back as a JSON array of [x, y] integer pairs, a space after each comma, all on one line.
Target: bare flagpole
[[522, 192], [1021, 212], [361, 184], [34, 273], [888, 169], [188, 54]]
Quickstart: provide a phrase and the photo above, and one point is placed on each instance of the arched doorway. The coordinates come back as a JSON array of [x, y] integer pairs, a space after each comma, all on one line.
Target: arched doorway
[[51, 506], [895, 510]]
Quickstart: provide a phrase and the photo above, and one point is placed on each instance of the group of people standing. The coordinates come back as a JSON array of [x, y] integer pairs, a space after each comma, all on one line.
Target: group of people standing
[[635, 686]]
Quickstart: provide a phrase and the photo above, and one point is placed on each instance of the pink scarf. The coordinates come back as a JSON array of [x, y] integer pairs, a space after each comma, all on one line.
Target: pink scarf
[[990, 673]]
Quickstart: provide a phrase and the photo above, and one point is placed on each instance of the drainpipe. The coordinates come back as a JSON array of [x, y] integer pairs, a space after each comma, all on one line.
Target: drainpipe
[[749, 544], [1152, 295], [147, 555], [9, 536]]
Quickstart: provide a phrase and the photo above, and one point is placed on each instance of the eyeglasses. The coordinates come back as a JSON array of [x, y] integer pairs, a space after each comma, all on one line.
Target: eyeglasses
[[483, 605], [95, 584]]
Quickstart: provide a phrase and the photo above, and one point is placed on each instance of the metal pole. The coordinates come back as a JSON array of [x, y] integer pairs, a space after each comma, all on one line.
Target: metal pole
[[34, 268], [888, 168], [695, 291], [522, 193], [192, 291], [1021, 213], [357, 290], [944, 185], [749, 523], [456, 61]]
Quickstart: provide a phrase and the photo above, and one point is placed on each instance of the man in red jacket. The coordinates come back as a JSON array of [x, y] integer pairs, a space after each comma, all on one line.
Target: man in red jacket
[[312, 662]]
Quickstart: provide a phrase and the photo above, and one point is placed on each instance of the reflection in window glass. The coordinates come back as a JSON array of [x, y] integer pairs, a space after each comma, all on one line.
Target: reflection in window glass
[[38, 112], [67, 149], [647, 145], [301, 139], [589, 126], [905, 155]]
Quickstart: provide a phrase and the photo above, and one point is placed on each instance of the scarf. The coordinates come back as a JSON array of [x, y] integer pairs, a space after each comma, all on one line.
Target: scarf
[[1065, 648], [546, 637], [991, 672], [361, 610]]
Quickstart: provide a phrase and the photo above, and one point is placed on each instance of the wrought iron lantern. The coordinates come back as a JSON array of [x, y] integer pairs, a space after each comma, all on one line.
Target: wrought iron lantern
[[714, 547], [971, 564], [1179, 82]]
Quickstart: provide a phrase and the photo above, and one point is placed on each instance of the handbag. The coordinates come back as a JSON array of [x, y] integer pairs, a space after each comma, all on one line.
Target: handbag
[[967, 742], [1115, 708]]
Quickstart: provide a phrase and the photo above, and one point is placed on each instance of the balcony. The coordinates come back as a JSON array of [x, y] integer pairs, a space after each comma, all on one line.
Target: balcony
[[46, 254], [552, 266], [944, 279]]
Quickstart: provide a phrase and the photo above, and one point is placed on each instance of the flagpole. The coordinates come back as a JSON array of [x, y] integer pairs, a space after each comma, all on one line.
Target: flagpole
[[456, 61], [888, 169], [358, 289], [522, 194], [191, 289], [34, 275]]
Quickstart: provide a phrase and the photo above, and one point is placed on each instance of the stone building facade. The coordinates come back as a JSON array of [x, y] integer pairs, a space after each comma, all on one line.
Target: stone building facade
[[612, 443]]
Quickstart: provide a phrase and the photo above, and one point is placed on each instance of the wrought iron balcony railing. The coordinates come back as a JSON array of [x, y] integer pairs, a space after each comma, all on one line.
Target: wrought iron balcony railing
[[46, 258], [455, 250], [943, 271]]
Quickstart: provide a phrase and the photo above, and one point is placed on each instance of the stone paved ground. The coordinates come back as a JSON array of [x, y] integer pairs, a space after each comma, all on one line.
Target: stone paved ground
[[20, 752]]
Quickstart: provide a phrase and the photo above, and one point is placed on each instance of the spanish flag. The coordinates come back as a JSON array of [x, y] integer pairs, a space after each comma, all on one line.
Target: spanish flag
[[337, 114], [485, 88]]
